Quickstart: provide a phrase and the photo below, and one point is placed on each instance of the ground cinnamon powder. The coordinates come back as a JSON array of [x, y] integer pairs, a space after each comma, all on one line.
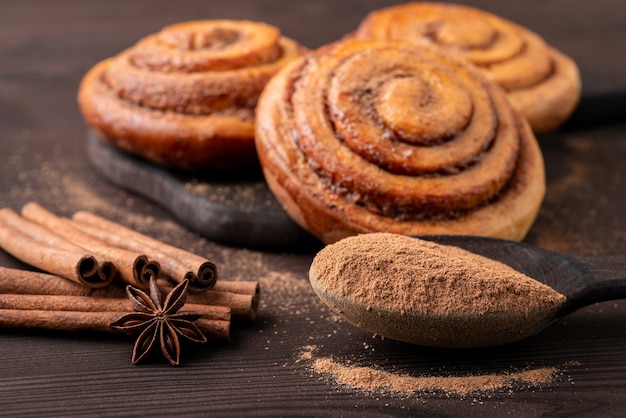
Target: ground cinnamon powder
[[370, 379], [421, 292]]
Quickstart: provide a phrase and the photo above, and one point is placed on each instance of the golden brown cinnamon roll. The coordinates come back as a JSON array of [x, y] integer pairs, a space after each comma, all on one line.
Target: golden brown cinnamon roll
[[185, 97], [542, 83], [363, 136]]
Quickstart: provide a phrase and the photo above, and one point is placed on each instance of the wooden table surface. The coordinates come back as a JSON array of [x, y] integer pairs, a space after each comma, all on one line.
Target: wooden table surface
[[46, 47]]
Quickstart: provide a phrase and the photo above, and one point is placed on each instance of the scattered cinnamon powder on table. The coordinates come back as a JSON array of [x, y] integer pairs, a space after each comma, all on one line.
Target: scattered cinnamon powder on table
[[421, 292], [369, 379]]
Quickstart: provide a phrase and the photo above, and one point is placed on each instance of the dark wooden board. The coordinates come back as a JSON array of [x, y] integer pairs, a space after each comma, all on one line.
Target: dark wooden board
[[231, 208]]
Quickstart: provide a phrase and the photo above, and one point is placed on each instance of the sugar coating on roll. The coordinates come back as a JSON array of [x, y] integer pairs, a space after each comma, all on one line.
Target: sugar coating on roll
[[365, 136], [185, 97], [541, 82]]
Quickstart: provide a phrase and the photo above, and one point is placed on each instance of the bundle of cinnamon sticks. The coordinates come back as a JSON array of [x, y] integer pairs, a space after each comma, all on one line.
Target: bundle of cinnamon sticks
[[87, 261]]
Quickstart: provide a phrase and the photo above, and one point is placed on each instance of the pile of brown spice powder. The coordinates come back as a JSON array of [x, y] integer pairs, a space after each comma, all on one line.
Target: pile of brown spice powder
[[421, 292]]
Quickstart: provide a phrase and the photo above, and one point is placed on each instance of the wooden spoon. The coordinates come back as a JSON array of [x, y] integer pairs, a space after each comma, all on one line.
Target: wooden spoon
[[582, 280]]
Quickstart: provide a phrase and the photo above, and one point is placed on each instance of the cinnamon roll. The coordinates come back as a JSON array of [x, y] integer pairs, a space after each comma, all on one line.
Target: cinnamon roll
[[185, 96], [541, 82], [365, 136]]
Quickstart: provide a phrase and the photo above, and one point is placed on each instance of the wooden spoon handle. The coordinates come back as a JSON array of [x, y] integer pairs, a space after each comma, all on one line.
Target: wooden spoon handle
[[601, 279]]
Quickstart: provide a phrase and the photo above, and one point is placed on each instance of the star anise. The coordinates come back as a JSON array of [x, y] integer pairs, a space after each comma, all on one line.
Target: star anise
[[160, 320]]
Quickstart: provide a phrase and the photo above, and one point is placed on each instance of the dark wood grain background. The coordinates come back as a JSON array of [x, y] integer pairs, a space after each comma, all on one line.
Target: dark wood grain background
[[46, 47]]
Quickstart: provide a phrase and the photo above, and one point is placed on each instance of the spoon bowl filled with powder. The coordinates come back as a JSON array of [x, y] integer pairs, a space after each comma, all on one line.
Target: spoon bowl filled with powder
[[433, 292]]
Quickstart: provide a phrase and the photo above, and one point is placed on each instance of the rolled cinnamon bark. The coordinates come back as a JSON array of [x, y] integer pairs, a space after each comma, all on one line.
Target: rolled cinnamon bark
[[38, 247], [20, 281], [58, 320], [214, 328], [90, 321], [175, 262], [244, 287], [243, 305], [134, 268], [96, 304]]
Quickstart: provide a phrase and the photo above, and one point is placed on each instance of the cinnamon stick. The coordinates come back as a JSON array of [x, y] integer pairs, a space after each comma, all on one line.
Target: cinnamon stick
[[90, 321], [96, 304], [34, 245], [243, 305], [20, 281], [176, 263], [58, 320], [244, 287], [134, 268]]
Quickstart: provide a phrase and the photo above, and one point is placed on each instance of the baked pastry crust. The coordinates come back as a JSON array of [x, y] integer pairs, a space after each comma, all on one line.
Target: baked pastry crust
[[541, 82], [366, 136], [185, 96]]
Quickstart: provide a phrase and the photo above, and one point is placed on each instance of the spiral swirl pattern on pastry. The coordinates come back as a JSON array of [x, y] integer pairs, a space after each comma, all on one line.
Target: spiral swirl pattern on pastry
[[380, 136], [185, 96], [542, 83]]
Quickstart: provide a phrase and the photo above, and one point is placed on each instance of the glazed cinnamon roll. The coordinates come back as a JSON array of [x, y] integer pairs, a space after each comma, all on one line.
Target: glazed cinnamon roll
[[541, 82], [185, 97], [363, 136]]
